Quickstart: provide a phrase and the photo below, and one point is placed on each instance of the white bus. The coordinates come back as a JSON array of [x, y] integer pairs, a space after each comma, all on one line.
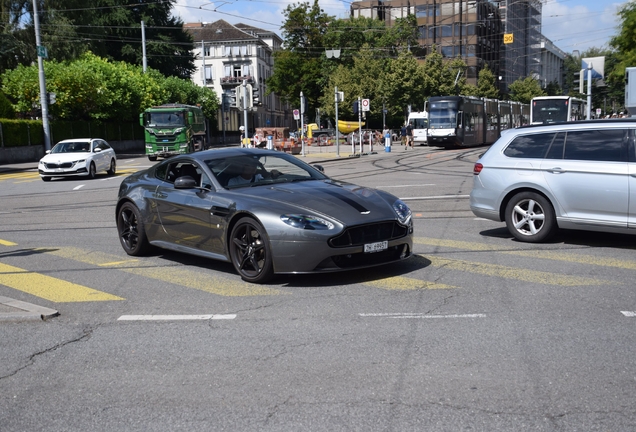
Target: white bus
[[419, 120], [552, 109]]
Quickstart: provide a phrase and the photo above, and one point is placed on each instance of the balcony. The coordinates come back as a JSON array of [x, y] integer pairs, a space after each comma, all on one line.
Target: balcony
[[236, 80]]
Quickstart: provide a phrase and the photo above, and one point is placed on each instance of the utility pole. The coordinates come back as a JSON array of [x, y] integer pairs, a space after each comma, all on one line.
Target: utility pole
[[337, 95], [247, 133], [302, 119], [589, 91], [44, 103], [143, 46]]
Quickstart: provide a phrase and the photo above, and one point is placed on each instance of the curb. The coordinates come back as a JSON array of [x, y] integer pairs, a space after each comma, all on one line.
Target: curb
[[26, 311]]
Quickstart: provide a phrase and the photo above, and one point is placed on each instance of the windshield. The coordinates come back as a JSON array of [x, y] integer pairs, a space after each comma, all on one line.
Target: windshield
[[72, 147], [549, 111], [419, 123], [442, 115], [164, 119], [254, 170]]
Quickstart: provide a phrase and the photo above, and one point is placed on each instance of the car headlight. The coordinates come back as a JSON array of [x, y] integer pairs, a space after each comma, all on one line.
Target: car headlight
[[306, 222], [178, 130], [403, 211]]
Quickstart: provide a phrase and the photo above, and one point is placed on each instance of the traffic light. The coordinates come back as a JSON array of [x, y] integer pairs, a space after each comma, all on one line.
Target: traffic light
[[234, 97], [52, 98], [256, 96], [355, 107], [248, 96], [225, 103]]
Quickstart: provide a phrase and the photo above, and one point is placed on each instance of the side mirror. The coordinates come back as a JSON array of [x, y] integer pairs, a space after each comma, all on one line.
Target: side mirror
[[185, 182], [319, 168]]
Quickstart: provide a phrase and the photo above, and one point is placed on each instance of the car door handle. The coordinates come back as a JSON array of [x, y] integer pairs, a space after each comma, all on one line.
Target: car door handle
[[556, 170]]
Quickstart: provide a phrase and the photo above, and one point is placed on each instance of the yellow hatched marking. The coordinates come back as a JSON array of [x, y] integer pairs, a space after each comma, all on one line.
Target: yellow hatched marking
[[175, 275], [50, 288], [401, 283], [7, 243], [514, 273], [544, 254]]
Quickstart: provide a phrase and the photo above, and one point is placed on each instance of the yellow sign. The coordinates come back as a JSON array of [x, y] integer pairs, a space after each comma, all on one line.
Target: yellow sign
[[509, 38]]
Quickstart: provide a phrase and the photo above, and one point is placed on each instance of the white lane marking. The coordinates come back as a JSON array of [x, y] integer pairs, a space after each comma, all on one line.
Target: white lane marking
[[78, 187], [403, 186], [420, 315], [435, 197], [630, 314], [174, 317]]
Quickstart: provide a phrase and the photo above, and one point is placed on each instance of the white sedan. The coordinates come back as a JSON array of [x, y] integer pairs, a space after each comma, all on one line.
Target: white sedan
[[78, 157]]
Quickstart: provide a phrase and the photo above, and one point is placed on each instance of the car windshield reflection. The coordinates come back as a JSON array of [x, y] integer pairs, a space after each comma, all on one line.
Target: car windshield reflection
[[249, 171]]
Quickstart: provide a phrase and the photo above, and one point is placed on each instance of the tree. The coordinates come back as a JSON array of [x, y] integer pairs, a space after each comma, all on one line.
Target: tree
[[524, 89], [93, 88], [487, 84], [624, 43], [297, 68]]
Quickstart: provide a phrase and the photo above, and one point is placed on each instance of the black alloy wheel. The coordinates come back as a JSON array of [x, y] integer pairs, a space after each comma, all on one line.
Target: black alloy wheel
[[250, 251], [130, 227]]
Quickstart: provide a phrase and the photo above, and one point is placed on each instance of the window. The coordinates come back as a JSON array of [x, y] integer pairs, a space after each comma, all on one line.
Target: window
[[228, 51], [209, 74], [530, 146], [597, 145], [236, 50], [447, 51]]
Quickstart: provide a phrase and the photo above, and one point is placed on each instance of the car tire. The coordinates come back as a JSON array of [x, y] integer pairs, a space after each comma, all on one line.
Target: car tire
[[530, 217], [113, 167], [92, 171], [46, 179], [130, 227], [152, 158], [250, 251]]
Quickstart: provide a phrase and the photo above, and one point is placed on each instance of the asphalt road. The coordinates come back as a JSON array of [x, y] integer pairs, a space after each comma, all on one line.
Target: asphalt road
[[476, 332]]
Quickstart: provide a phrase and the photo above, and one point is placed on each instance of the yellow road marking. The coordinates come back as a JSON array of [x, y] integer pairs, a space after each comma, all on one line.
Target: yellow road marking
[[401, 283], [178, 276], [50, 288], [7, 243], [543, 254], [514, 273]]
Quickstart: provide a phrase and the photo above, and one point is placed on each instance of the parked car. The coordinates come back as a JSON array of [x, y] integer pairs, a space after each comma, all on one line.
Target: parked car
[[78, 157], [266, 212], [577, 175]]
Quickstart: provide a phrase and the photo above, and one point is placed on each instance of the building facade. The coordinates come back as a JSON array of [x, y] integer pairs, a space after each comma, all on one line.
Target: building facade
[[475, 31], [225, 56]]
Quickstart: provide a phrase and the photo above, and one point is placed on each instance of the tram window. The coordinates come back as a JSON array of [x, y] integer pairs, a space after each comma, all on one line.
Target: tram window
[[529, 146]]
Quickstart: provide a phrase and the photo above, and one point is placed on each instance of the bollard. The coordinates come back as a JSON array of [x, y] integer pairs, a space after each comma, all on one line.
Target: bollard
[[387, 143]]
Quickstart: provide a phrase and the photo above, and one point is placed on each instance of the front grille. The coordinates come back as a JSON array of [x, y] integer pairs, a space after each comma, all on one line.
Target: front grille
[[60, 165], [356, 260], [369, 233]]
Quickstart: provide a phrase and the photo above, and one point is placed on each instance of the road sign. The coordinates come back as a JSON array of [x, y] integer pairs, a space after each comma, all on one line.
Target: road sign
[[509, 38], [296, 114], [365, 105], [42, 52]]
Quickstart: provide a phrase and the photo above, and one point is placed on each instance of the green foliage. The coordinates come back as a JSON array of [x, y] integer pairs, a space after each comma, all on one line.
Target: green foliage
[[92, 88], [487, 84], [18, 133], [6, 109], [523, 90]]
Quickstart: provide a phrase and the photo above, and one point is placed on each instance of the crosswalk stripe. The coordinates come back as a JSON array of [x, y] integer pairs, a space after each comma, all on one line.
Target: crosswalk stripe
[[49, 288], [401, 283], [516, 273], [178, 276], [541, 254]]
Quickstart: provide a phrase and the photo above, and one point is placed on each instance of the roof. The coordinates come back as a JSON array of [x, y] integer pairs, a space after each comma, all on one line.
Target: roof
[[221, 30]]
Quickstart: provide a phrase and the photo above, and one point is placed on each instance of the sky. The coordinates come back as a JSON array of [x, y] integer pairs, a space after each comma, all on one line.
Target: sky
[[570, 24]]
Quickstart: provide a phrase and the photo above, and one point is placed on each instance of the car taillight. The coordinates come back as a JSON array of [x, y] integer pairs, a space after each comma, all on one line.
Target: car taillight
[[477, 168]]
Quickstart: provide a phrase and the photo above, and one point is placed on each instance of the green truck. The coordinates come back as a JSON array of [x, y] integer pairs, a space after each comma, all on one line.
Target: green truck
[[173, 129]]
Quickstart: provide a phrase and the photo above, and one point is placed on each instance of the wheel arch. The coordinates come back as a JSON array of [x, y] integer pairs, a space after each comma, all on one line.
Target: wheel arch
[[510, 194]]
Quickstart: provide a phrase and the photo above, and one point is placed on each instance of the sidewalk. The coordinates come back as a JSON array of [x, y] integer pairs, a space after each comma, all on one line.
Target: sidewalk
[[312, 154]]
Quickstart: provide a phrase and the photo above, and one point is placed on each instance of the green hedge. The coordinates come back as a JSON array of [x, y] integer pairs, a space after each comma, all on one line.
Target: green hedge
[[16, 133]]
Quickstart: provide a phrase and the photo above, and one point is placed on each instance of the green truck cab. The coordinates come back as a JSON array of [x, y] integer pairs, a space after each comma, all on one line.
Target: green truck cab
[[173, 129]]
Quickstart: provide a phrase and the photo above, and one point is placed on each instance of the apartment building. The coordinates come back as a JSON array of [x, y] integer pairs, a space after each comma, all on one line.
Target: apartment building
[[226, 55]]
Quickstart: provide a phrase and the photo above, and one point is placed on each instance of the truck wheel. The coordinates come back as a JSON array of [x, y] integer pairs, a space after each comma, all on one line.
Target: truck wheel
[[152, 158]]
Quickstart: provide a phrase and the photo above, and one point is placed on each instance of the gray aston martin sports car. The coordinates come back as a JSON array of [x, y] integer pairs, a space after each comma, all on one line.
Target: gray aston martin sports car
[[265, 211]]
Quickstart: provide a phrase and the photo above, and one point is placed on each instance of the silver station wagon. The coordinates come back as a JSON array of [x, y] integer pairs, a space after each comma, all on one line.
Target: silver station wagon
[[578, 175]]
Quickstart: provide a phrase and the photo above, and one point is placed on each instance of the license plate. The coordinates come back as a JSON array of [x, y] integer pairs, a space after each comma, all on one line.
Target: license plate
[[376, 247]]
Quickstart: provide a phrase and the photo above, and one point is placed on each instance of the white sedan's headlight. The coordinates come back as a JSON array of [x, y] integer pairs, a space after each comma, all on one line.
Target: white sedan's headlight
[[403, 211], [306, 222]]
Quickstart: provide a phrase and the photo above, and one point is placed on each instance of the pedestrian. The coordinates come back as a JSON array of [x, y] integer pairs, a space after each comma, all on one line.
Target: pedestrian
[[409, 136], [403, 134]]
